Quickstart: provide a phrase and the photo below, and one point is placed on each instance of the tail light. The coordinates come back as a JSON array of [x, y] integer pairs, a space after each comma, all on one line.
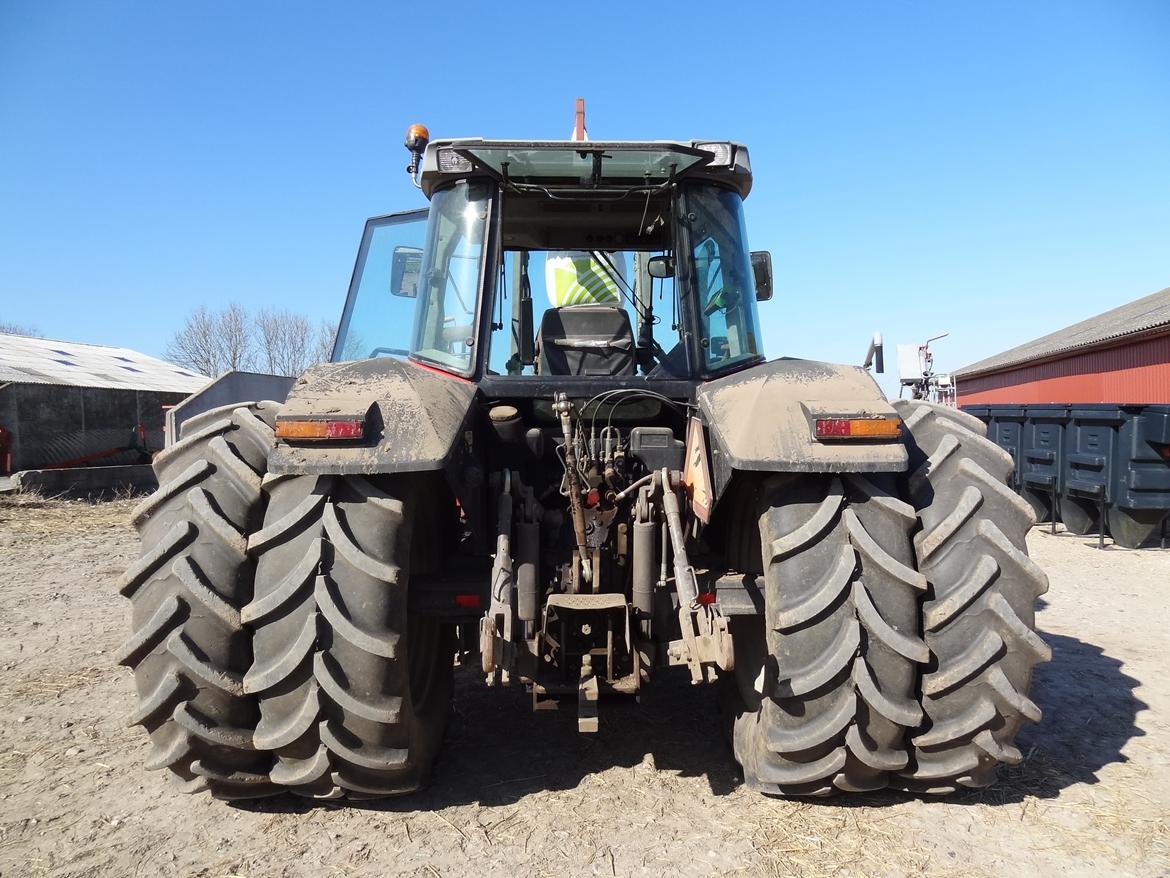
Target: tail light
[[320, 428], [858, 428]]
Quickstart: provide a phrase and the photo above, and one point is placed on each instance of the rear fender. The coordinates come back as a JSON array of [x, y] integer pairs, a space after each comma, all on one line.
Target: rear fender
[[761, 420], [415, 418]]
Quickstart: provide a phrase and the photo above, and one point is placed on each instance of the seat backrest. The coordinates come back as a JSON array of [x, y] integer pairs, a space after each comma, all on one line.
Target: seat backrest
[[586, 340]]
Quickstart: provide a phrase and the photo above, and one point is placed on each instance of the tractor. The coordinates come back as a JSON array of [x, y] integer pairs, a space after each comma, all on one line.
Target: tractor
[[549, 442]]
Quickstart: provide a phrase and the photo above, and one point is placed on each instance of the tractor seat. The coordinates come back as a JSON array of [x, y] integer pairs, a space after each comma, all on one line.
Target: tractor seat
[[585, 340]]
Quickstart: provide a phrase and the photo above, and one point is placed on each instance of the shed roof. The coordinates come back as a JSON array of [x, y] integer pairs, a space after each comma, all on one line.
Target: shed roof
[[46, 361], [1142, 315]]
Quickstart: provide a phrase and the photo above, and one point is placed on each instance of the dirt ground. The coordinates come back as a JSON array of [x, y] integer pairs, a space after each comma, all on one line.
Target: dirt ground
[[517, 793]]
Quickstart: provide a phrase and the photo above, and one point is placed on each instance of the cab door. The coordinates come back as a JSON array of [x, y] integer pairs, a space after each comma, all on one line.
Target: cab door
[[379, 309]]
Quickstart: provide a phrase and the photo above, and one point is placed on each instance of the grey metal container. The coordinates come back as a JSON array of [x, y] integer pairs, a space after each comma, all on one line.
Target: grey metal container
[[1094, 466]]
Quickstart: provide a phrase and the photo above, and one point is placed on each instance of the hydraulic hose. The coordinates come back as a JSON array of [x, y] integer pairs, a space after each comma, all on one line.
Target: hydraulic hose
[[563, 407]]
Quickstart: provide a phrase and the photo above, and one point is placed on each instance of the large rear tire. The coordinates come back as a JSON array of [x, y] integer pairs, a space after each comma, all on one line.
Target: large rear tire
[[826, 680], [189, 649], [979, 615], [354, 692]]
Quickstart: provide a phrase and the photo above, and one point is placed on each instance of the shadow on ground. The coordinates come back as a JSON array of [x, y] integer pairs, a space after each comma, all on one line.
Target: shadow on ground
[[1093, 540], [1090, 713], [498, 750]]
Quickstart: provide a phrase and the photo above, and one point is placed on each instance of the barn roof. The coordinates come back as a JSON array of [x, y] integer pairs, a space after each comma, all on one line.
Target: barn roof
[[26, 360], [1149, 312]]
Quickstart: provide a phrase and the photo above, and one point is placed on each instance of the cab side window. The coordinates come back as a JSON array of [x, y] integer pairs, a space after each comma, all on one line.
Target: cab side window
[[723, 279]]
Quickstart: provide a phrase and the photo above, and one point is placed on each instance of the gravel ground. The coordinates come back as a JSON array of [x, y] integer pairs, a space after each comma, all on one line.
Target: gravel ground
[[656, 792]]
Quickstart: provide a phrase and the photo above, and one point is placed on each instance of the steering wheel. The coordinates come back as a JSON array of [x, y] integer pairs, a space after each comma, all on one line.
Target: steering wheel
[[723, 299]]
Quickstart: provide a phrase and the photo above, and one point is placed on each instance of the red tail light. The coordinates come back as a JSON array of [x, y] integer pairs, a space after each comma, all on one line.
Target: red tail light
[[858, 428]]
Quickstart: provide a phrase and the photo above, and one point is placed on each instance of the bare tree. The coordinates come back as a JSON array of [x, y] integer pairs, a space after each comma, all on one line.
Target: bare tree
[[7, 328], [195, 346], [289, 344], [286, 341], [326, 338], [280, 341], [237, 344], [212, 344]]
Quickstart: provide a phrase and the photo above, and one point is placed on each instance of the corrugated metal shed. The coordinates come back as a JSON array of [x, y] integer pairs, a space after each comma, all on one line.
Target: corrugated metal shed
[[1136, 373], [1119, 357], [26, 360], [1148, 313]]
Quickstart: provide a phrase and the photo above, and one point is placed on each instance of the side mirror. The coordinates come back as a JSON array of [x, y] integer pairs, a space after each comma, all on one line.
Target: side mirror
[[660, 266], [762, 269], [404, 271]]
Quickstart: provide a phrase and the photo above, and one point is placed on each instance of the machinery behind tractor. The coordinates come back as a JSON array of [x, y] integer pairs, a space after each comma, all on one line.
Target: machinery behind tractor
[[550, 437]]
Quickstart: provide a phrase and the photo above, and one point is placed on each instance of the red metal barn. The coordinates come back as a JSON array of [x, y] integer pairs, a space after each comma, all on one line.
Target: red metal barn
[[1121, 356]]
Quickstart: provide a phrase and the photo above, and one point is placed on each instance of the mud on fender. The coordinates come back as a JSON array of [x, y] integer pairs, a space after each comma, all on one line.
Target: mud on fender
[[412, 418], [761, 419]]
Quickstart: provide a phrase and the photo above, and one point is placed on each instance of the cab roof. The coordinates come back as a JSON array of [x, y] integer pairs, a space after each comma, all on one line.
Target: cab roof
[[584, 166]]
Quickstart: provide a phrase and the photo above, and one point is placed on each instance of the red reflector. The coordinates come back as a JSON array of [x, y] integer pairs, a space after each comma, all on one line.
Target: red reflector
[[344, 429], [832, 427], [592, 498], [467, 601], [310, 428], [1165, 452], [706, 598]]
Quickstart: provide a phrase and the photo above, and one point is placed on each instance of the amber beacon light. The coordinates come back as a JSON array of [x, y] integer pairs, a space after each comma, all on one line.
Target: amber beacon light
[[416, 140]]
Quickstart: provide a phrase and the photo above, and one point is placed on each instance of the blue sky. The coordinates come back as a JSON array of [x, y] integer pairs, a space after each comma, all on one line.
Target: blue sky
[[991, 169]]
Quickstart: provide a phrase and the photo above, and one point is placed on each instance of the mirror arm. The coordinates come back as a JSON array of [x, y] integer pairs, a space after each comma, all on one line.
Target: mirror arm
[[875, 356]]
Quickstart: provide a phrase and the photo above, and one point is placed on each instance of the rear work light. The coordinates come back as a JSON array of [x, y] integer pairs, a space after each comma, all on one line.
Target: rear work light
[[857, 428], [320, 428], [721, 152]]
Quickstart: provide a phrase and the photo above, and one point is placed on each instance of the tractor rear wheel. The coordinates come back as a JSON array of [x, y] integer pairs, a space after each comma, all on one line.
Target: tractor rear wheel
[[354, 691], [979, 614], [825, 681], [189, 649]]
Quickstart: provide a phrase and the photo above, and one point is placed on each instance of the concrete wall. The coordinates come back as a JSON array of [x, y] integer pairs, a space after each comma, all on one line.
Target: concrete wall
[[87, 481], [50, 423]]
